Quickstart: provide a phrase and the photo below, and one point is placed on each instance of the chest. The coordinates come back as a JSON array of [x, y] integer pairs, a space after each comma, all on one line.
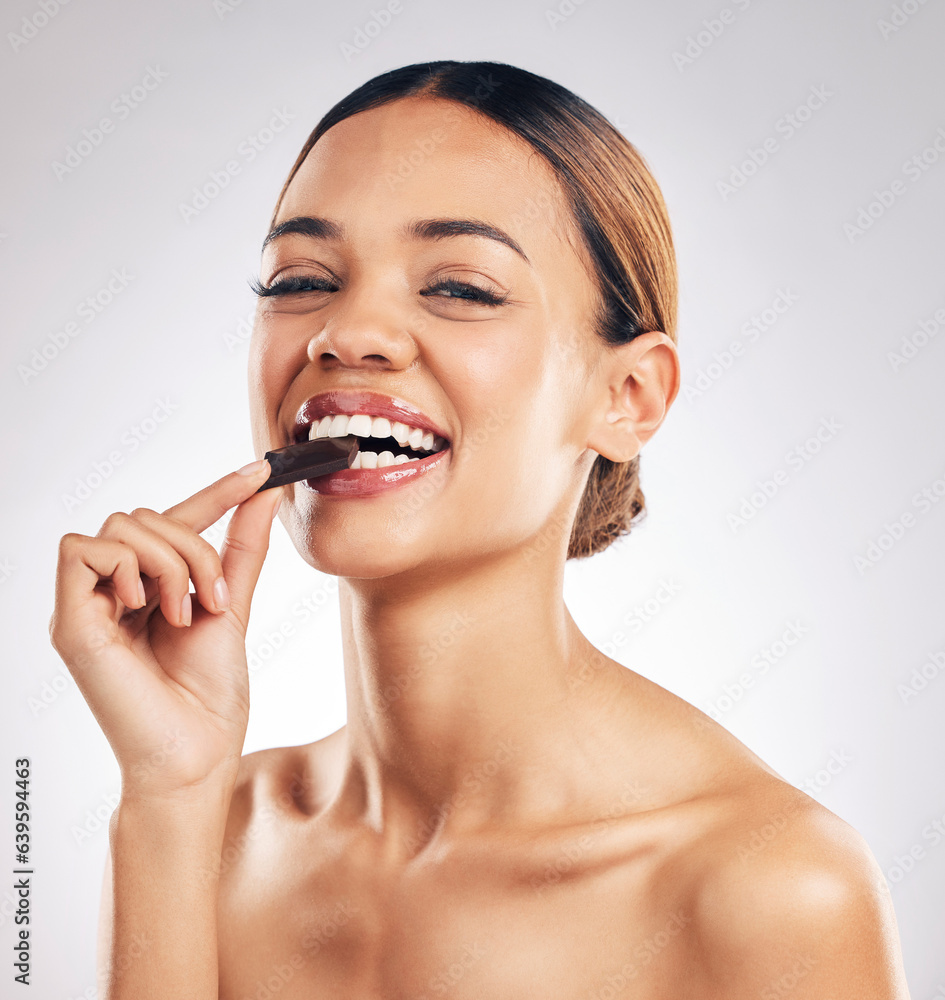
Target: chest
[[296, 921]]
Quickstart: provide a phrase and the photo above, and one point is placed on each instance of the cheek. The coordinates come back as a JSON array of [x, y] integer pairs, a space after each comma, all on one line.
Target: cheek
[[490, 379], [516, 420], [271, 367]]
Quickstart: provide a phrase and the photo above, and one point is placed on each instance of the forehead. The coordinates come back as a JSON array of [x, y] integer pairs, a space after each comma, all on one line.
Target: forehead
[[427, 157]]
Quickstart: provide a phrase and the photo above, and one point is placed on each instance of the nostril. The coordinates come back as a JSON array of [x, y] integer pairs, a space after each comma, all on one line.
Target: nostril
[[331, 360]]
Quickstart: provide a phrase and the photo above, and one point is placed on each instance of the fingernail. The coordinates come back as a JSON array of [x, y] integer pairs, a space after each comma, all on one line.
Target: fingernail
[[221, 593], [185, 610], [253, 469], [142, 597], [275, 510]]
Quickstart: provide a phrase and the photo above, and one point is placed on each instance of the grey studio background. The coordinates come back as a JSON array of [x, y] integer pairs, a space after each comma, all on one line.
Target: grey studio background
[[788, 578]]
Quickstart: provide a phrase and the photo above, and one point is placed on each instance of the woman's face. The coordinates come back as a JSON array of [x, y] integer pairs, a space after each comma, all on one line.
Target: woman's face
[[487, 334]]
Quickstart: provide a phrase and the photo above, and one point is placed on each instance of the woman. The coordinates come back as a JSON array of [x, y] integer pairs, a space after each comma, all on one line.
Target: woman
[[474, 261]]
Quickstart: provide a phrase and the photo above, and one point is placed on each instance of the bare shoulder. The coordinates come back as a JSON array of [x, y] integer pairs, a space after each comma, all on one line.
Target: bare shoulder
[[791, 897], [785, 896], [290, 780]]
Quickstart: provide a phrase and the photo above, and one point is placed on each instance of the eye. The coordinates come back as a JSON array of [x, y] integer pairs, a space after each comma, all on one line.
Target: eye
[[450, 288], [293, 285]]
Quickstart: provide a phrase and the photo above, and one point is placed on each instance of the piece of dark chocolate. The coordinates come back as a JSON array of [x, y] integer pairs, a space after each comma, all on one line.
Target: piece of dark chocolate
[[308, 459]]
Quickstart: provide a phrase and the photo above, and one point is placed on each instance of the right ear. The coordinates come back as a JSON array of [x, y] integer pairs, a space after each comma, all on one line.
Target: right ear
[[638, 386]]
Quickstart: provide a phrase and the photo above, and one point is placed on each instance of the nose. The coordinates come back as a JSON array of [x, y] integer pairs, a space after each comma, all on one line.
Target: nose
[[362, 334]]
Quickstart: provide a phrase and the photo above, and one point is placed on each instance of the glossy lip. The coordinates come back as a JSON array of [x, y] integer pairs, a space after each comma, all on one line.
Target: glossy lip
[[368, 482], [352, 401]]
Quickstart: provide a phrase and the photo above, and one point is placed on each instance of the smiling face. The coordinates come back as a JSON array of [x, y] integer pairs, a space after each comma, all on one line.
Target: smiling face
[[444, 271]]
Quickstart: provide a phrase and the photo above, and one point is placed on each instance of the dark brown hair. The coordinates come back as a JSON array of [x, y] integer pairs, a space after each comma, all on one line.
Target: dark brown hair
[[617, 206]]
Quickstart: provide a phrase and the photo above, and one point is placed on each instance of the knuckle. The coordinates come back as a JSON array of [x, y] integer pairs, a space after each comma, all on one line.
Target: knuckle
[[142, 513], [207, 559], [238, 544], [113, 520], [175, 572], [59, 635], [69, 541], [58, 643]]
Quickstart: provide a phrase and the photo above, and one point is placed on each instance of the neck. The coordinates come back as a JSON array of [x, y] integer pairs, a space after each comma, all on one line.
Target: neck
[[461, 697]]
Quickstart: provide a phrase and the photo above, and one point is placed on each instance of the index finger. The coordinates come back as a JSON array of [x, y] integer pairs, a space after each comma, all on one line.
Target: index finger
[[210, 504]]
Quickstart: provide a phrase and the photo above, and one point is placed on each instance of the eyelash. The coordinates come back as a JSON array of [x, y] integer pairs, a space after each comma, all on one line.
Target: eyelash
[[289, 286], [306, 283]]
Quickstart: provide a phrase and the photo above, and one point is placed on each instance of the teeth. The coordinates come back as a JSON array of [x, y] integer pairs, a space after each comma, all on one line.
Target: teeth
[[326, 427], [339, 426], [363, 425], [375, 461], [360, 424], [380, 427]]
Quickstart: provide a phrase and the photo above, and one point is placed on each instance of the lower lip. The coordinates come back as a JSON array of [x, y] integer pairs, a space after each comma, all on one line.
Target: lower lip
[[367, 482]]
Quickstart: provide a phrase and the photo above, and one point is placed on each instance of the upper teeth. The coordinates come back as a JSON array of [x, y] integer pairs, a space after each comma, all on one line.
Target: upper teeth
[[364, 425]]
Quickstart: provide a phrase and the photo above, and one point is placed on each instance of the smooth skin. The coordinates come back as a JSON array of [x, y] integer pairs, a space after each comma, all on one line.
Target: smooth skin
[[508, 812], [167, 679]]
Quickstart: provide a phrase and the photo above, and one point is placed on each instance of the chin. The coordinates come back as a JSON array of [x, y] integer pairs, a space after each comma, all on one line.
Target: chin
[[360, 559]]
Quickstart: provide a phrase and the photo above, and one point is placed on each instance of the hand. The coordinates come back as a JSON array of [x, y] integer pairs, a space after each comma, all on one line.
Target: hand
[[165, 675]]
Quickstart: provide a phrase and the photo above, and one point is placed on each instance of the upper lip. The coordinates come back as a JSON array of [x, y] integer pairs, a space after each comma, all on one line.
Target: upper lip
[[351, 401]]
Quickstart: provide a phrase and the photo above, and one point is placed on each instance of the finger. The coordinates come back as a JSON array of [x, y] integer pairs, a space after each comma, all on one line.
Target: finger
[[159, 559], [83, 563], [206, 507], [203, 561], [245, 547]]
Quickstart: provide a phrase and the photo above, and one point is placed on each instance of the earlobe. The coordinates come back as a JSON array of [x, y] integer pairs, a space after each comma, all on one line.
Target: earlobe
[[638, 386]]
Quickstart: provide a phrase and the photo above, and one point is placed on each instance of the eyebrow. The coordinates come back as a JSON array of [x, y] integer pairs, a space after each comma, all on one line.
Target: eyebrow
[[305, 225], [425, 229], [438, 229]]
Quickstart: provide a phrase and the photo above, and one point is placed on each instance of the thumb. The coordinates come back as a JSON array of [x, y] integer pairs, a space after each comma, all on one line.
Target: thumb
[[245, 547]]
